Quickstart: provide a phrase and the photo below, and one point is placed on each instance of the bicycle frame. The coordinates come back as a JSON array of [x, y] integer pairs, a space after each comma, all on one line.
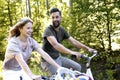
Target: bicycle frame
[[70, 73], [88, 71]]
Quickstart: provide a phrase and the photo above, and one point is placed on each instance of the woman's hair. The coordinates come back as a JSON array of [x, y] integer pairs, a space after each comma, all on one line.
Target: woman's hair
[[14, 31]]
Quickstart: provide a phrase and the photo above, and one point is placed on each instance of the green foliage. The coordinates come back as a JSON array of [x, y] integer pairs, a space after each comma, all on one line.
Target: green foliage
[[1, 70], [34, 64], [110, 74], [92, 22]]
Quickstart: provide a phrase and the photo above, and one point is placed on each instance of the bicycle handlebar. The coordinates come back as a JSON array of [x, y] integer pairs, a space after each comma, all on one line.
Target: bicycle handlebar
[[90, 58]]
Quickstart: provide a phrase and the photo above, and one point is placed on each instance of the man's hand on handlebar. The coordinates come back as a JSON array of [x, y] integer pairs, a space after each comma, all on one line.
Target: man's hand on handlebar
[[77, 54], [92, 50]]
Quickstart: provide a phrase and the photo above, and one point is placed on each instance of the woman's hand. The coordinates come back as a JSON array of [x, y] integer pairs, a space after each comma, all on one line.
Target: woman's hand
[[36, 77]]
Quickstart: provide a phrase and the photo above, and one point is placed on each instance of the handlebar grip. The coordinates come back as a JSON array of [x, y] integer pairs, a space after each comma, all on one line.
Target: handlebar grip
[[95, 52], [84, 57]]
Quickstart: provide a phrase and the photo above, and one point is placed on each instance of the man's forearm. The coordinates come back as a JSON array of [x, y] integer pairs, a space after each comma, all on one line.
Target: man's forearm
[[62, 49]]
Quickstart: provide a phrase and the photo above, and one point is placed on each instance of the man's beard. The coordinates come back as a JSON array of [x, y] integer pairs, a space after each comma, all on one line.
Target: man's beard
[[56, 24]]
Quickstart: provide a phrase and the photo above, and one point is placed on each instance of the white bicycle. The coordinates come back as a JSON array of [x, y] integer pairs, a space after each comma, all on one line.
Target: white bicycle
[[69, 74]]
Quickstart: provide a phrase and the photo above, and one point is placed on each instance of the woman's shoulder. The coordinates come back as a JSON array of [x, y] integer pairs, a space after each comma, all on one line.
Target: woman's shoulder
[[31, 40], [13, 39], [13, 43]]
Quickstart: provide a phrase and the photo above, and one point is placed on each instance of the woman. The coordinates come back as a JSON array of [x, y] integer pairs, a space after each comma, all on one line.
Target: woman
[[18, 51]]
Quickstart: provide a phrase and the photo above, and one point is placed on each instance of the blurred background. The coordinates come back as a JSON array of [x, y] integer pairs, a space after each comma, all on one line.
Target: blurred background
[[95, 23]]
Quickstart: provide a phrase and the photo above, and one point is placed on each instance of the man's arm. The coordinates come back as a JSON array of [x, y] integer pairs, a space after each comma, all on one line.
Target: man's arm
[[52, 40], [80, 45]]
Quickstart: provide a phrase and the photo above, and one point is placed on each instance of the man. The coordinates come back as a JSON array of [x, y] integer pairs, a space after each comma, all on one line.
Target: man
[[52, 38]]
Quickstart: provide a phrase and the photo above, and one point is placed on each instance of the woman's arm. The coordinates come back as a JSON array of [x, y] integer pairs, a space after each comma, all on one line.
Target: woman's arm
[[47, 58], [25, 67]]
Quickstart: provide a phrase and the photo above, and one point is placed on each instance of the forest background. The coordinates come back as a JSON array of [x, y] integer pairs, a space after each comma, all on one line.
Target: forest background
[[96, 23]]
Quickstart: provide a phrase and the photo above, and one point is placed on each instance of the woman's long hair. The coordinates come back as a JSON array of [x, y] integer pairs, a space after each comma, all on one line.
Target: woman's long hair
[[14, 31]]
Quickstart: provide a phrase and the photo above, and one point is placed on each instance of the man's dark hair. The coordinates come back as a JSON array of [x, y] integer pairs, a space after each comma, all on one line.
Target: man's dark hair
[[55, 10]]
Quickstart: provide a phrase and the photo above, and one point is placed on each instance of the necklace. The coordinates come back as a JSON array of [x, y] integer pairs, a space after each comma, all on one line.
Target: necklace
[[24, 48], [23, 44]]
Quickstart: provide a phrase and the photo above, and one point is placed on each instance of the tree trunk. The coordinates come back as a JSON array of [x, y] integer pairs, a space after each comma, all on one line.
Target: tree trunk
[[28, 8], [9, 13], [108, 29], [47, 7]]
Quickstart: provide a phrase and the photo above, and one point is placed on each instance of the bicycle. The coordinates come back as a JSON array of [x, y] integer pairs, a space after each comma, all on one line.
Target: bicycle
[[69, 74]]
